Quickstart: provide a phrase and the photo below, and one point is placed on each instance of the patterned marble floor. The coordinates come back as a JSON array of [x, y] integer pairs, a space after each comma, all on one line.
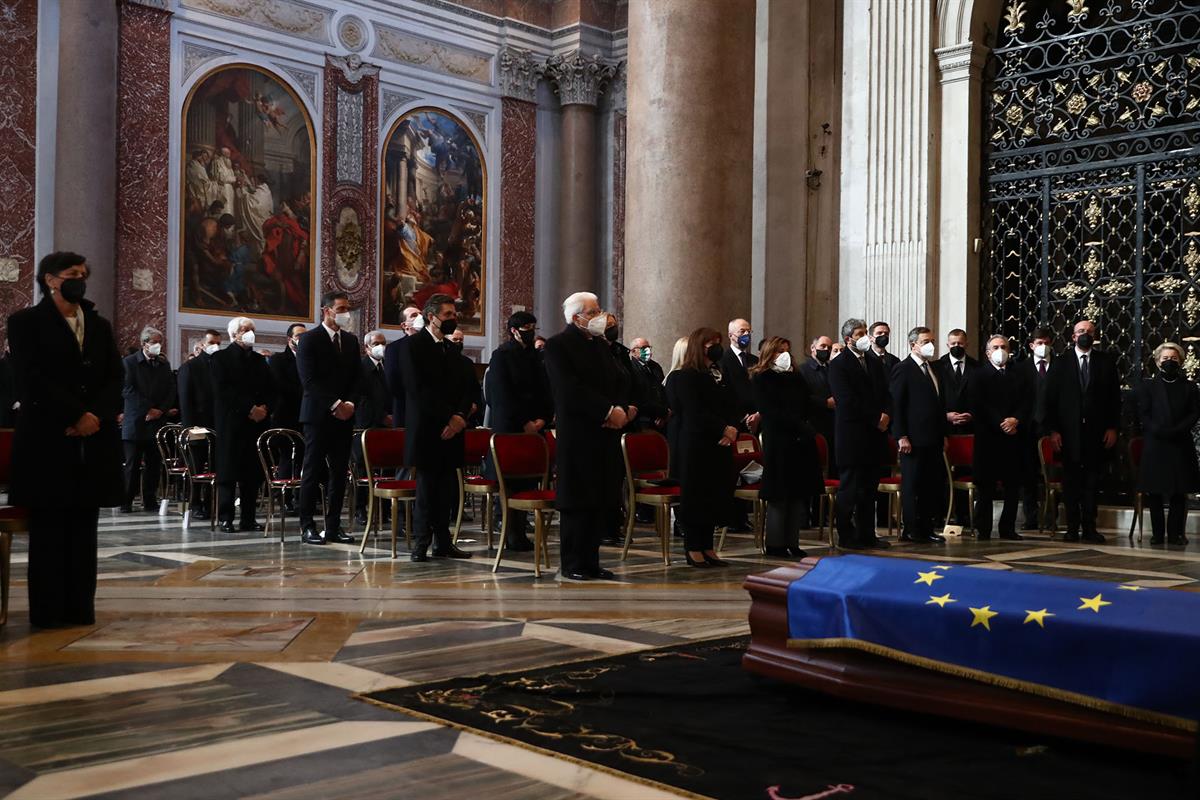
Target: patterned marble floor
[[223, 664]]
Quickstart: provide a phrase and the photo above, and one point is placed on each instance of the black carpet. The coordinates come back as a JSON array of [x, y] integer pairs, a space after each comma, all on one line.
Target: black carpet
[[691, 718]]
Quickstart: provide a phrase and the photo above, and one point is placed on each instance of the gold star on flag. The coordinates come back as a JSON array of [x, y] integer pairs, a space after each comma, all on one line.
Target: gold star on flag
[[928, 578], [982, 615], [1093, 603], [1037, 616], [940, 601], [1129, 587]]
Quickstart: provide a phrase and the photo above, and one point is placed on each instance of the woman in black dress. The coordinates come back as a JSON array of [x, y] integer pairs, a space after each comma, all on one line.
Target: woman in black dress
[[791, 472], [1169, 405], [67, 444], [704, 415]]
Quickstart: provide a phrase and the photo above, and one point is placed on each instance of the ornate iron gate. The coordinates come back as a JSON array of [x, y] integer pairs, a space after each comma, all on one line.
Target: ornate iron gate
[[1092, 196]]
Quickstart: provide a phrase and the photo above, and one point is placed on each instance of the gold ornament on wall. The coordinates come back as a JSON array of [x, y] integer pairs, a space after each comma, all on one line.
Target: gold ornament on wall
[[1014, 16]]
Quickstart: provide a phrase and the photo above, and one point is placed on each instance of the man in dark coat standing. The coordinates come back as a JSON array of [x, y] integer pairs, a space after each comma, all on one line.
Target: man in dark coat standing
[[327, 360], [372, 409], [591, 408], [1003, 411], [815, 371], [735, 366], [285, 413], [438, 400], [150, 402], [196, 401], [243, 393], [413, 323], [956, 371], [648, 379], [1035, 369], [1082, 414], [862, 411], [919, 425]]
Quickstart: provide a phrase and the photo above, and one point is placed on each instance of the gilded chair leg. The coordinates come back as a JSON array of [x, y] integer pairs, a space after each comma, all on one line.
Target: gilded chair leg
[[660, 527], [395, 523], [212, 506], [462, 502], [500, 544], [362, 547], [487, 519], [5, 566], [721, 540], [629, 518], [971, 509], [539, 543], [408, 525]]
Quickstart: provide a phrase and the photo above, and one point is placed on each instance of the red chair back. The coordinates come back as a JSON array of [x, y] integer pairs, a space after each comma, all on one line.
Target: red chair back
[[1136, 445], [477, 442], [383, 448], [6, 444], [746, 448], [552, 448], [646, 452], [1050, 456], [960, 450], [822, 453], [893, 452], [520, 455]]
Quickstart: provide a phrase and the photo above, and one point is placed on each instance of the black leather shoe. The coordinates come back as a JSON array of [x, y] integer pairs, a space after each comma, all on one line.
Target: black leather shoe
[[713, 561], [252, 526], [879, 544], [778, 552], [126, 509], [1070, 537], [603, 575], [852, 544], [200, 513], [980, 536], [797, 552], [1012, 536], [312, 536], [576, 576], [916, 538], [1179, 540], [1157, 540], [612, 541], [339, 537], [226, 526], [701, 563], [418, 556], [1094, 537], [522, 545], [451, 552], [937, 538]]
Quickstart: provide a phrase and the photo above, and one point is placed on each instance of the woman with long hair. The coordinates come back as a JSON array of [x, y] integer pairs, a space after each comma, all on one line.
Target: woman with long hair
[[791, 472], [704, 411]]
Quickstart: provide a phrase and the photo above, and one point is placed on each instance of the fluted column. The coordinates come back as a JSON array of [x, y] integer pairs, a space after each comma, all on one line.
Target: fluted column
[[579, 80], [689, 181]]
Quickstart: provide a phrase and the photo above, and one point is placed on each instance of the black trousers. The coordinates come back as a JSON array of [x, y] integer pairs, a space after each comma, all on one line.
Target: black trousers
[[923, 490], [1174, 524], [856, 503], [1081, 484], [985, 492], [247, 485], [581, 532], [62, 566], [135, 479], [785, 518], [326, 459], [437, 492], [1034, 490]]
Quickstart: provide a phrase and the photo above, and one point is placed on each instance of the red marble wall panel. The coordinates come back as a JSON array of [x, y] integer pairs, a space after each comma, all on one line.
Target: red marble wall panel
[[618, 217], [518, 142], [362, 197], [18, 141], [143, 156]]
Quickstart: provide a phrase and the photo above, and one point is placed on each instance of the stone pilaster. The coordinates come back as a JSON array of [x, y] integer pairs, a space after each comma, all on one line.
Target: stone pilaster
[[18, 150]]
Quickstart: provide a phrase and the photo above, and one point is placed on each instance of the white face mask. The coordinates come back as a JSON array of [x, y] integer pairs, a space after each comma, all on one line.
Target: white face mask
[[1039, 350], [999, 357], [863, 344], [377, 352], [154, 350], [212, 348], [928, 350], [418, 323], [783, 362], [247, 338], [342, 320], [597, 324]]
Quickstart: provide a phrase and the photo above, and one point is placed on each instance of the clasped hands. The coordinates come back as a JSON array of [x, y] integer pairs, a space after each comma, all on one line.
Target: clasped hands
[[454, 427], [86, 425], [258, 413], [344, 410], [618, 418]]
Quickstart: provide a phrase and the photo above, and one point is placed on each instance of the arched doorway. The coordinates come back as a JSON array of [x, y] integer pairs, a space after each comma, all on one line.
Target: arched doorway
[[1092, 174]]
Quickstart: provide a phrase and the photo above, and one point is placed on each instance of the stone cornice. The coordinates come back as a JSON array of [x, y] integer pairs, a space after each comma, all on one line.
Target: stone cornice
[[960, 62]]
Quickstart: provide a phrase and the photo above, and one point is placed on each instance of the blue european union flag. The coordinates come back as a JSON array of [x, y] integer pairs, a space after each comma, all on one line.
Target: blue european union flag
[[1113, 646]]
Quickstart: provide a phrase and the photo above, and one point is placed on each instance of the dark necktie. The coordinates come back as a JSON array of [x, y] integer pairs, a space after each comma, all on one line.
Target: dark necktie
[[743, 358], [958, 371], [929, 376], [1084, 376], [1042, 368], [337, 341]]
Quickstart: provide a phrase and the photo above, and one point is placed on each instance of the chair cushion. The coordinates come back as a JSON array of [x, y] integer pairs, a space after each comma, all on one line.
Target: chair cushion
[[672, 491], [285, 481], [651, 475], [204, 476], [832, 483], [13, 513], [533, 494], [889, 481], [396, 485], [479, 480]]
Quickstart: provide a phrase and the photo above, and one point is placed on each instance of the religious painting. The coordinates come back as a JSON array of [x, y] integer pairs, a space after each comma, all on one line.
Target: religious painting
[[433, 241], [247, 197]]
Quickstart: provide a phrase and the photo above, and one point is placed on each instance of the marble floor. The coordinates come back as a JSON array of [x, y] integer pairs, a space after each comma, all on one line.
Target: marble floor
[[223, 665]]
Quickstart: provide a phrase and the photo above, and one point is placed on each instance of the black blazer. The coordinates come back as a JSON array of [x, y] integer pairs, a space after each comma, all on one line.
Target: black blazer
[[1033, 378], [241, 380], [889, 360], [394, 379], [8, 392], [737, 378], [58, 383], [374, 401], [1072, 412], [436, 389], [149, 383], [517, 390], [648, 381], [918, 409], [861, 396], [1169, 464], [288, 391], [820, 415], [997, 398], [957, 392], [704, 407], [585, 383], [195, 392], [790, 466], [327, 373]]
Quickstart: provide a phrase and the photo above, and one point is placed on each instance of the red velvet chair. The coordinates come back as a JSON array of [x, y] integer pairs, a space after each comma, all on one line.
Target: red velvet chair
[[890, 484], [747, 448], [1136, 446], [960, 455], [198, 446], [12, 520], [383, 451], [647, 458], [470, 481], [1051, 461], [272, 444], [524, 456], [828, 500]]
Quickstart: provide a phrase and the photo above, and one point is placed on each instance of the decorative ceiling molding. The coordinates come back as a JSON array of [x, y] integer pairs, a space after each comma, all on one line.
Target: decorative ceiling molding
[[353, 67], [402, 47], [392, 101], [352, 33], [196, 54], [293, 17], [306, 79]]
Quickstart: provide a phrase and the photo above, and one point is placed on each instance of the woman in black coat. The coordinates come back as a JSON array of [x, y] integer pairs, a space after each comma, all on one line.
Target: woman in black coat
[[703, 410], [791, 471], [67, 444], [1169, 406]]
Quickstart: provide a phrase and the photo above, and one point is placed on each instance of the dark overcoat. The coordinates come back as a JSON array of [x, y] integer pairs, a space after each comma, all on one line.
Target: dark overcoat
[[704, 406], [436, 388], [1168, 413], [860, 394], [791, 470], [241, 380], [1081, 416], [149, 383], [998, 396]]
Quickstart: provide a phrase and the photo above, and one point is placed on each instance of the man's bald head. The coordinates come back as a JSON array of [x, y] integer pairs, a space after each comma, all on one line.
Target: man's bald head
[[739, 334]]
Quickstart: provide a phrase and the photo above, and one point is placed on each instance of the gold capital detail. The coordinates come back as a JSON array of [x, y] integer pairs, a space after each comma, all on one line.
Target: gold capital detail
[[1092, 213], [1191, 202]]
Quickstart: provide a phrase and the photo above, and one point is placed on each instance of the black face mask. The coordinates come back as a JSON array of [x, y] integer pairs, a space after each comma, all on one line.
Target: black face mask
[[1085, 341], [612, 333], [958, 351], [448, 326], [714, 352], [73, 289], [526, 337], [823, 356], [882, 341], [1170, 369]]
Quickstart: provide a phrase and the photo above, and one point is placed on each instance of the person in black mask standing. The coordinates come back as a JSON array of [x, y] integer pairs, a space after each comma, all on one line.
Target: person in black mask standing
[[1169, 405], [956, 372], [881, 337], [70, 395], [815, 371]]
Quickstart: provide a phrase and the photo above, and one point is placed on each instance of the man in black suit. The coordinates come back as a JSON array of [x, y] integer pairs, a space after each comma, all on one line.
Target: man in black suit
[[150, 402], [919, 425], [735, 366], [437, 405], [862, 413], [1004, 404], [8, 392], [1034, 370], [457, 344], [413, 323], [955, 373], [196, 401], [327, 361], [372, 408], [1082, 415], [881, 336], [242, 395], [648, 380], [591, 401], [285, 412], [815, 371]]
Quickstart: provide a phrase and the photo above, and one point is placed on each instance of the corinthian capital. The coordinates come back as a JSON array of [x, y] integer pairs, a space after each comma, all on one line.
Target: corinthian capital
[[519, 74], [579, 79]]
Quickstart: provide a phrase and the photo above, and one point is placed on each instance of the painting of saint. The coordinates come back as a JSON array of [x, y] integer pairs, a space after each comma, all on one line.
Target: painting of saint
[[433, 218], [248, 184]]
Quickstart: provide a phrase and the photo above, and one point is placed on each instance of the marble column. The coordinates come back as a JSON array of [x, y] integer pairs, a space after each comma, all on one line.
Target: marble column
[[18, 136], [519, 75], [619, 98], [688, 180], [579, 80]]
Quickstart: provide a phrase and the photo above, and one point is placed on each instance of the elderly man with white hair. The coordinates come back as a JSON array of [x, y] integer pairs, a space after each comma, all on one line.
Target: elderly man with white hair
[[591, 404], [243, 393], [150, 402]]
